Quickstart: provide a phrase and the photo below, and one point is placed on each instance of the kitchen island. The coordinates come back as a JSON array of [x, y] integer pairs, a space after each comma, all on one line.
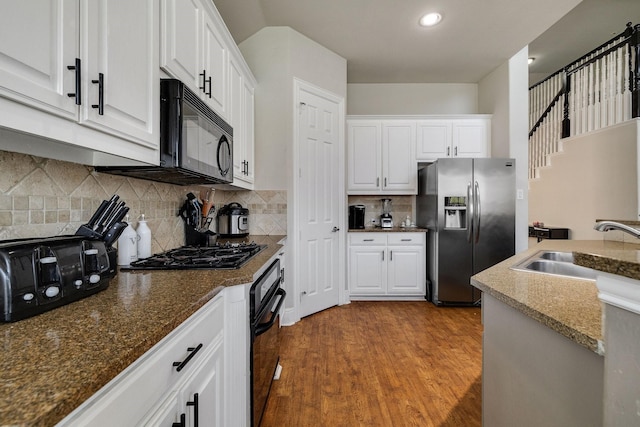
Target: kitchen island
[[543, 346], [53, 362]]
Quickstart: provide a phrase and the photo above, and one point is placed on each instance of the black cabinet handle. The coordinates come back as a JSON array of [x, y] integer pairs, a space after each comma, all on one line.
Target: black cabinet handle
[[205, 80], [78, 69], [100, 104], [203, 74], [192, 352], [209, 93], [194, 403], [182, 423]]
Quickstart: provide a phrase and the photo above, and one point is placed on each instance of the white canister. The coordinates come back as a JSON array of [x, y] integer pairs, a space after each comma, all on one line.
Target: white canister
[[127, 245], [144, 238]]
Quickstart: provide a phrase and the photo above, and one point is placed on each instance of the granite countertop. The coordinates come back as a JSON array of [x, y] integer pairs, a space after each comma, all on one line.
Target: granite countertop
[[388, 230], [54, 361], [567, 305]]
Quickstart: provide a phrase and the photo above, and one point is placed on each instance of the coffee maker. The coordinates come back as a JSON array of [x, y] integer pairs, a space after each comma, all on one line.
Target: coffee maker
[[356, 217], [386, 221]]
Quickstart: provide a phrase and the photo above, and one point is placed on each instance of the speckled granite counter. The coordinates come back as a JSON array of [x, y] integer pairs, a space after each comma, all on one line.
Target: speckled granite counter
[[566, 305], [52, 362], [389, 230]]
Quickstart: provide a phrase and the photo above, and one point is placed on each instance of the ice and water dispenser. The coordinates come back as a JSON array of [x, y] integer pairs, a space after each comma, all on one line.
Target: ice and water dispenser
[[455, 212]]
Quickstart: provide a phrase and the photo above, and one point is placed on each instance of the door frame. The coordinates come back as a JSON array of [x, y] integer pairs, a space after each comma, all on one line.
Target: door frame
[[292, 314]]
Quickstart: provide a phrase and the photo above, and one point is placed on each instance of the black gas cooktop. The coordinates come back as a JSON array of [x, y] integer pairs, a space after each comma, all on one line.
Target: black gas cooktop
[[226, 256]]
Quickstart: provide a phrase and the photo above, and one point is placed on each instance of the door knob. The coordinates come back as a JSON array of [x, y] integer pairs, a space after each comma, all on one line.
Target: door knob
[[335, 229]]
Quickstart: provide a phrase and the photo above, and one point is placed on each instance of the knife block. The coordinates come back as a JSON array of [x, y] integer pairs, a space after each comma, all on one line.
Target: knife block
[[194, 237]]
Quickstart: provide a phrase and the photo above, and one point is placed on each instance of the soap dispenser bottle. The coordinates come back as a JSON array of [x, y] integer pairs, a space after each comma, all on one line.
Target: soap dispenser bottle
[[144, 238], [127, 245]]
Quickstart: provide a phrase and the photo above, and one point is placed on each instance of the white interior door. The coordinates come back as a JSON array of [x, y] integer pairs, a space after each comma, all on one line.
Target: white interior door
[[320, 194]]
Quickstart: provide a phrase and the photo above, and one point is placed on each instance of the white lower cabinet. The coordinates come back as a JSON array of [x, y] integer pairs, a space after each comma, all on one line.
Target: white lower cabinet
[[182, 375], [387, 264], [199, 401]]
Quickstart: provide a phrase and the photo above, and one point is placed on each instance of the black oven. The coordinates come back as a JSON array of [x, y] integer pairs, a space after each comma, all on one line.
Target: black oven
[[265, 300], [196, 145]]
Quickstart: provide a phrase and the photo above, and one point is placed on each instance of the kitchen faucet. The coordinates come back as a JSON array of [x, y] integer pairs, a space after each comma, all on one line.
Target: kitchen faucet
[[612, 225]]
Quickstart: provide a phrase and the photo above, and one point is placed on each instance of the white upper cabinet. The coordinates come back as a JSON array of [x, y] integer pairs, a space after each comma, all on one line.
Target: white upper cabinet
[[194, 51], [94, 63], [121, 85], [453, 137], [38, 41], [241, 118], [381, 157]]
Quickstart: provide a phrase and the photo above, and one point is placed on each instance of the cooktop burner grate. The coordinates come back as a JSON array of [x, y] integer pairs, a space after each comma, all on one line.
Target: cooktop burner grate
[[228, 256]]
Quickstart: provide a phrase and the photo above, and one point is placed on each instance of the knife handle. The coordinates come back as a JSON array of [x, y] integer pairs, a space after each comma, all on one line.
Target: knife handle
[[98, 213], [114, 232]]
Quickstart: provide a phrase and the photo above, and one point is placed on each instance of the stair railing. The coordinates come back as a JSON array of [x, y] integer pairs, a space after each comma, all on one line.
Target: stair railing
[[599, 89]]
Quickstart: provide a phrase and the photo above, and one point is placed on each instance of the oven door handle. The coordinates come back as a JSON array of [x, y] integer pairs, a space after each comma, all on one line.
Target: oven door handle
[[261, 328]]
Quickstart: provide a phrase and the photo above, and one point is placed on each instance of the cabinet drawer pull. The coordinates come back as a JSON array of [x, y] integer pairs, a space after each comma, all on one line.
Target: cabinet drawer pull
[[455, 151], [100, 104], [406, 240], [192, 352], [383, 255], [203, 74], [367, 240], [194, 403], [448, 151], [390, 255], [182, 423], [78, 81]]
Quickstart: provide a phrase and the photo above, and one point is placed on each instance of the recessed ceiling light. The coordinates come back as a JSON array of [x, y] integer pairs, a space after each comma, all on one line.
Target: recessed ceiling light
[[430, 19], [530, 60]]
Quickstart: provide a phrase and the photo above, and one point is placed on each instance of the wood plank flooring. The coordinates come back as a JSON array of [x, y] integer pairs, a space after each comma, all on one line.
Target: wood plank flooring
[[380, 364]]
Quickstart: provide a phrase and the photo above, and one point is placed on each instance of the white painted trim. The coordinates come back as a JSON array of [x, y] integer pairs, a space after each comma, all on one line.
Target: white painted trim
[[619, 291]]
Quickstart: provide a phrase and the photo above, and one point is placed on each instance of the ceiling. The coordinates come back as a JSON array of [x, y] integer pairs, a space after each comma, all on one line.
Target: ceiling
[[382, 42]]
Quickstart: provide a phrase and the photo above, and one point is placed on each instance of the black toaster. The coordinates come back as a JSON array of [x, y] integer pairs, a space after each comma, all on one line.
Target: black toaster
[[40, 274]]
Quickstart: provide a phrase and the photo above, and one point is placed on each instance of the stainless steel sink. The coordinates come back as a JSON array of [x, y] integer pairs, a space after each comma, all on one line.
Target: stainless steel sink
[[555, 263]]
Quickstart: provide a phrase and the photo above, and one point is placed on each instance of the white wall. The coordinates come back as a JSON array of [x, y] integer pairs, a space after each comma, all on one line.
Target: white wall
[[412, 98], [276, 55], [504, 93], [593, 177]]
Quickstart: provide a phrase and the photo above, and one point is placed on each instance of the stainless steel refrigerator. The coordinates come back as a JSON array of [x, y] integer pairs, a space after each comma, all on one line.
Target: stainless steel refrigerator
[[468, 205]]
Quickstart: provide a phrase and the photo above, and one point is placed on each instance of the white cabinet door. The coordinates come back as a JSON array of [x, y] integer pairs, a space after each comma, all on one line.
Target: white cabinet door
[[470, 138], [249, 136], [119, 44], [406, 270], [364, 145], [367, 270], [241, 118], [399, 172], [180, 49], [203, 395], [215, 59], [433, 139], [38, 41]]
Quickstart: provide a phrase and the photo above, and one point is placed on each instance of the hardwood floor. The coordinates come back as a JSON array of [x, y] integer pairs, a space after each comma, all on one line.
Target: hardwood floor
[[380, 364]]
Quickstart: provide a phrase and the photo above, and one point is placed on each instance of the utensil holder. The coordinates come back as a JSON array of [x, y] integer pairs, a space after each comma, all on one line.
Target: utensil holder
[[194, 237]]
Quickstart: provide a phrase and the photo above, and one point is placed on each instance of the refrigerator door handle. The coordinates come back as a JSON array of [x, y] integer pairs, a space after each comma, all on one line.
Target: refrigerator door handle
[[476, 211], [469, 214]]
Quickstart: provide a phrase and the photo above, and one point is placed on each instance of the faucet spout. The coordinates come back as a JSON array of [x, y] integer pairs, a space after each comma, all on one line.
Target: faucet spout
[[612, 225]]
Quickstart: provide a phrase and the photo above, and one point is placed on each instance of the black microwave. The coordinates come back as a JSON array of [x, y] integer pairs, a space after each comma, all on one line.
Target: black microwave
[[196, 145]]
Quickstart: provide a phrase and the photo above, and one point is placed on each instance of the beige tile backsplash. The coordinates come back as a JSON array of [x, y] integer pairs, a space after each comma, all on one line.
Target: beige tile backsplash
[[44, 197], [401, 206]]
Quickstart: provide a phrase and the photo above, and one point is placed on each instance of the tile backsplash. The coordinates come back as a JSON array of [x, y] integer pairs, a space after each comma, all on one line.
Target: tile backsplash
[[401, 207], [43, 197]]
